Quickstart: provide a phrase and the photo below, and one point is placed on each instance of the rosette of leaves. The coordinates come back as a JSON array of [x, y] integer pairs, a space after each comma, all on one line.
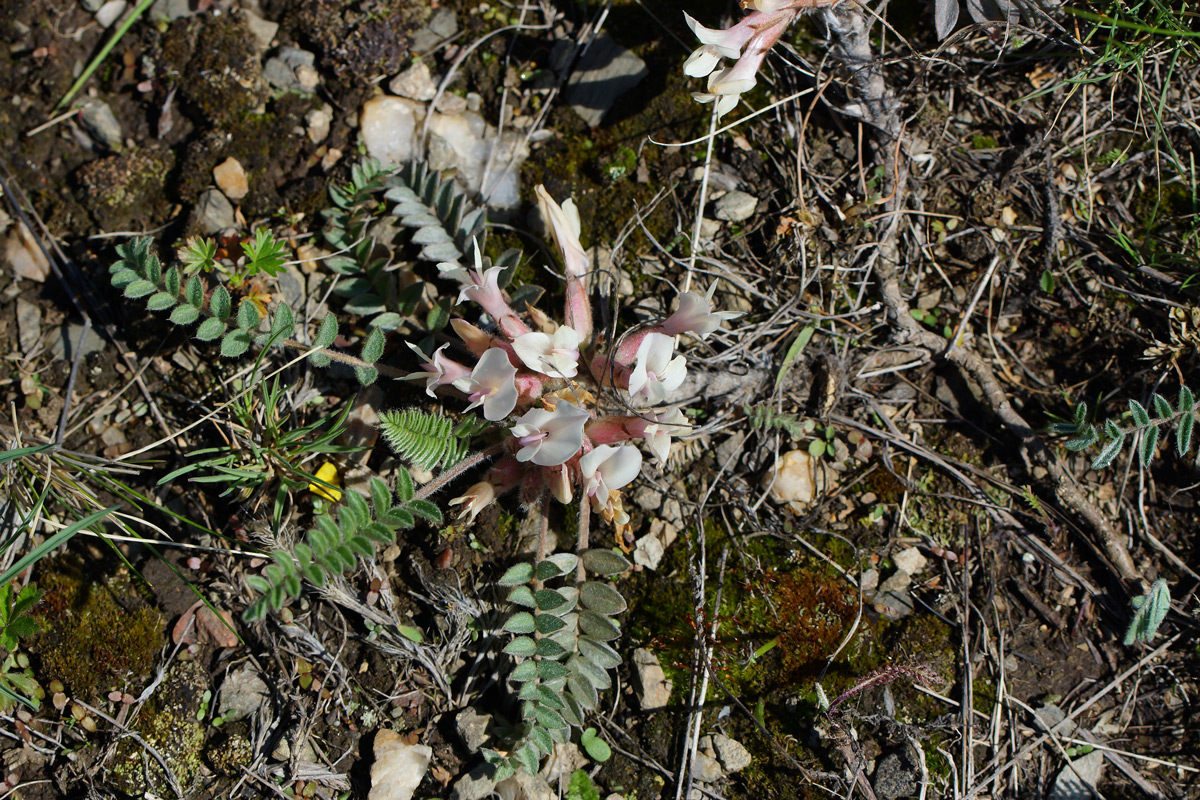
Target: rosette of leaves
[[562, 640], [139, 274], [334, 546], [1145, 433]]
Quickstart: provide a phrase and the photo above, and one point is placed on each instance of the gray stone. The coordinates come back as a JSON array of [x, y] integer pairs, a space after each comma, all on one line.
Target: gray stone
[[648, 498], [263, 30], [213, 212], [1078, 780], [559, 765], [441, 26], [472, 728], [101, 123], [730, 752], [415, 83], [110, 12], [171, 10], [604, 72], [524, 786], [735, 206], [895, 778], [91, 6], [241, 694], [29, 325], [706, 769], [63, 346], [475, 785], [650, 682], [288, 69], [910, 560], [893, 599], [649, 552]]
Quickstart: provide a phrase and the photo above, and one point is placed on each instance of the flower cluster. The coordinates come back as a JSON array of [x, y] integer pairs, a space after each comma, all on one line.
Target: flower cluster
[[746, 44], [542, 382]]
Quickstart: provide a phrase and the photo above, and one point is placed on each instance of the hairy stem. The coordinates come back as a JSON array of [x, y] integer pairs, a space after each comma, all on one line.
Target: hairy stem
[[450, 473]]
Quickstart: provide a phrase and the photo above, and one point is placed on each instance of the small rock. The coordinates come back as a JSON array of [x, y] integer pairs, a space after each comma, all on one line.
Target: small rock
[[648, 498], [730, 752], [898, 582], [29, 325], [263, 30], [524, 786], [910, 560], [241, 694], [283, 70], [398, 768], [1079, 779], [896, 777], [27, 259], [317, 123], [307, 77], [649, 552], [892, 599], [415, 83], [706, 769], [101, 123], [110, 12], [565, 759], [441, 26], [171, 10], [605, 72], [472, 728], [475, 785], [63, 346], [735, 206], [91, 6], [869, 581], [231, 179], [388, 126], [650, 682], [213, 212], [797, 478], [709, 228]]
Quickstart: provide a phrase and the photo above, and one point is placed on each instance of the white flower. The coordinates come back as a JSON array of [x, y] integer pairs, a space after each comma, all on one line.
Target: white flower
[[439, 370], [563, 222], [550, 438], [492, 384], [728, 42], [607, 468], [560, 484], [655, 373], [477, 498], [701, 62], [695, 315], [557, 356], [658, 434]]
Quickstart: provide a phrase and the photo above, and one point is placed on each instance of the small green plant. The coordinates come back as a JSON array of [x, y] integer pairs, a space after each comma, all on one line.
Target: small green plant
[[263, 254], [1144, 434], [334, 546], [1149, 612], [580, 787], [17, 683]]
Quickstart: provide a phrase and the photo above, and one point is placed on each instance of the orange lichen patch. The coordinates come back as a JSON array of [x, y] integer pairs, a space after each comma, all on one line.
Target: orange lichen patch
[[815, 611]]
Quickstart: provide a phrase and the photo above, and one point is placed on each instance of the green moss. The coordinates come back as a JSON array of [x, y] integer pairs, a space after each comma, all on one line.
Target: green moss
[[96, 637], [169, 724], [126, 190]]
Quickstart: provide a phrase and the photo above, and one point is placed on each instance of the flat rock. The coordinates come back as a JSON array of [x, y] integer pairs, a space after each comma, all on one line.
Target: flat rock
[[317, 123], [910, 560], [475, 785], [399, 767], [231, 179], [110, 12], [171, 10], [730, 752], [604, 72], [101, 124], [388, 127], [472, 728], [650, 682], [241, 694], [63, 345], [559, 765], [735, 206], [24, 256], [263, 30], [213, 212], [797, 478], [649, 551], [706, 769], [524, 786], [895, 778], [1079, 779], [415, 83], [29, 325], [441, 26], [291, 68]]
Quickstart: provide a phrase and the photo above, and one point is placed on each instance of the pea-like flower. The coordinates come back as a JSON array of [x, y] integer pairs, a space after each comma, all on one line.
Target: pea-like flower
[[550, 438], [477, 498], [607, 468], [439, 370], [695, 315], [658, 433], [492, 384], [655, 373], [556, 356]]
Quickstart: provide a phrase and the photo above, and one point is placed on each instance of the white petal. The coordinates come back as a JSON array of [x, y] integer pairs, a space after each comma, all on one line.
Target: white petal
[[702, 62], [621, 467], [533, 349]]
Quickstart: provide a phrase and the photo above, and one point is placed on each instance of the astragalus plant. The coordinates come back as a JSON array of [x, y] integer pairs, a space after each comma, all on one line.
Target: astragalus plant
[[571, 411]]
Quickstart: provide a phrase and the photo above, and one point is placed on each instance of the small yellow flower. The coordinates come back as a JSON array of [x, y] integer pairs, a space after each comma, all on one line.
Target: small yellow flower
[[329, 474]]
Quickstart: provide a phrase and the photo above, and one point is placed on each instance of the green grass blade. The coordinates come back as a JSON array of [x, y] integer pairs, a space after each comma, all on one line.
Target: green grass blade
[[37, 553], [95, 63]]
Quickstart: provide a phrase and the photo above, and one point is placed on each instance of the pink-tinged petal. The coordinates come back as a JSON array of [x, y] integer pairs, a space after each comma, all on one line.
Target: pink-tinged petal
[[702, 61], [563, 222], [475, 339], [550, 438], [606, 468], [728, 42], [439, 370], [477, 498], [492, 385], [556, 356], [695, 315], [560, 484], [655, 373]]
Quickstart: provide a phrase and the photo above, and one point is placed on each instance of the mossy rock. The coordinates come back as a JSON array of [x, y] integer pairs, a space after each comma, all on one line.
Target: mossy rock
[[224, 72], [95, 637], [127, 190], [169, 723]]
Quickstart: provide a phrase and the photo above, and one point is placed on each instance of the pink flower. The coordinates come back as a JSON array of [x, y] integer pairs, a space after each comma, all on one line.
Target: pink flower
[[655, 373], [550, 438], [695, 315], [748, 41], [657, 434], [556, 356], [484, 289], [606, 468], [439, 370], [491, 385], [564, 227], [477, 498]]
